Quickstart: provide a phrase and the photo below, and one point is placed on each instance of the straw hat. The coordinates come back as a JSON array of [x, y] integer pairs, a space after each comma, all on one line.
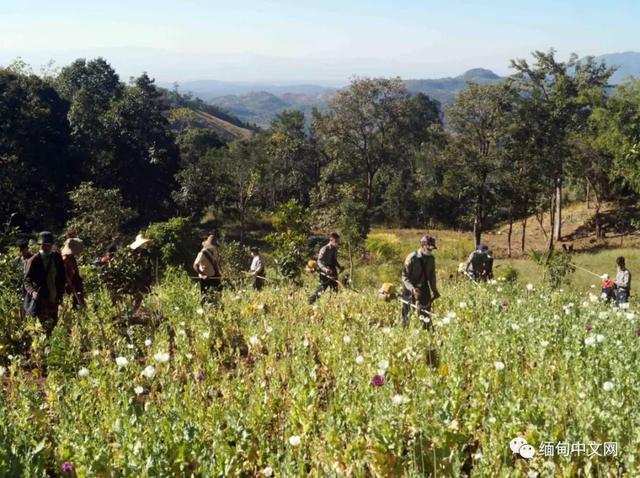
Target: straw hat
[[210, 243], [140, 242], [72, 246]]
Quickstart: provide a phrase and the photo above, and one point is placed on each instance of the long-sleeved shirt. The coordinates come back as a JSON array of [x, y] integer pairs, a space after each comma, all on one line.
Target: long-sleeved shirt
[[623, 278], [328, 257], [419, 272], [257, 265]]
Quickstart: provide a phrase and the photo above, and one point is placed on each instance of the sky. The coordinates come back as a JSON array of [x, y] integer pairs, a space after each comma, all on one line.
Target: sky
[[325, 41]]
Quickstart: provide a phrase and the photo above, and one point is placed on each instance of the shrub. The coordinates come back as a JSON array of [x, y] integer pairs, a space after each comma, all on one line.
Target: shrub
[[98, 216], [289, 239], [508, 272], [175, 242], [383, 246]]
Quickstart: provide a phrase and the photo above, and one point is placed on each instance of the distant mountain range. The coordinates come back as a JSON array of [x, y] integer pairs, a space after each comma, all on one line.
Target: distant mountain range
[[258, 103]]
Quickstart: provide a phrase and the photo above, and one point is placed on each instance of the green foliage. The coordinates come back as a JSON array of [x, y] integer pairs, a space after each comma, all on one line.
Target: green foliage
[[507, 272], [289, 240], [12, 325], [128, 274], [235, 259], [557, 266], [98, 216], [383, 247], [175, 242]]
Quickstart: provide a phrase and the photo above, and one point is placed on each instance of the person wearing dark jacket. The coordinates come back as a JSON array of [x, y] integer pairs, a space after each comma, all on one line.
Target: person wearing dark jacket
[[419, 281], [328, 267], [44, 283]]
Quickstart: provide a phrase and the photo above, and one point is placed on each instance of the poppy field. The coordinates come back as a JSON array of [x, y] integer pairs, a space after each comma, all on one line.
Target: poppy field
[[262, 384]]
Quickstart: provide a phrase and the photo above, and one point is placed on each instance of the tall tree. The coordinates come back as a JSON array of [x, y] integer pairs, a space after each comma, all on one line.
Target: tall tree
[[476, 153], [145, 156], [551, 90], [34, 149]]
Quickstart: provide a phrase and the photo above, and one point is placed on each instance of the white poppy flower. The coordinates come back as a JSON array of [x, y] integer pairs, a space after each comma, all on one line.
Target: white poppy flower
[[138, 390], [398, 399], [188, 355], [3, 370], [359, 359], [206, 334], [544, 343], [582, 395], [294, 440], [599, 338], [254, 340], [269, 329], [590, 341], [161, 357], [383, 364], [346, 339], [529, 286], [149, 371], [515, 327], [305, 343], [200, 311], [463, 305], [83, 372], [267, 471], [147, 343], [121, 361], [607, 386], [499, 365]]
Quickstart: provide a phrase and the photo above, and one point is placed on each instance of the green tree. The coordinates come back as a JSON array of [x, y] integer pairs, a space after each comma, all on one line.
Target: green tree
[[289, 240], [98, 216], [364, 129], [476, 152], [34, 149], [551, 92]]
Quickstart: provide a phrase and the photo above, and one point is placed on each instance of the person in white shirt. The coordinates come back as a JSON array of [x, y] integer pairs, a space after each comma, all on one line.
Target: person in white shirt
[[257, 268], [623, 282]]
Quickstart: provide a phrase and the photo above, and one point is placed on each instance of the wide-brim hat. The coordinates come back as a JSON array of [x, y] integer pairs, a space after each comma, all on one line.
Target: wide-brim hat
[[140, 242], [210, 242], [45, 237], [72, 246]]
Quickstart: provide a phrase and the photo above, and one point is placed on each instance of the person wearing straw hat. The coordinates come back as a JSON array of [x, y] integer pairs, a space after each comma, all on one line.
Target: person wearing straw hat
[[74, 287], [419, 281], [140, 243], [44, 282], [208, 265]]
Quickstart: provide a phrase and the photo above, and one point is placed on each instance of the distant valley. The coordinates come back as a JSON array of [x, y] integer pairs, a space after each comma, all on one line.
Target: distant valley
[[258, 103]]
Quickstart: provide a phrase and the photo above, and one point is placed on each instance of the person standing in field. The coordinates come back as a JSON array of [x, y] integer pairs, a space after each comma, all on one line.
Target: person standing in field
[[419, 281], [208, 265], [328, 267], [257, 269], [479, 265], [44, 282], [24, 255], [73, 247], [623, 282]]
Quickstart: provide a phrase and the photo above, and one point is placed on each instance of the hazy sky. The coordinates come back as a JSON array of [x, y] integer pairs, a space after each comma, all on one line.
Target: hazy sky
[[325, 40]]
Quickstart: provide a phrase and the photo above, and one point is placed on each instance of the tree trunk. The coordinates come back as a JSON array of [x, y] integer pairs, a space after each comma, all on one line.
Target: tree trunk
[[477, 226], [598, 221], [509, 234], [551, 220], [557, 223], [588, 193], [524, 233]]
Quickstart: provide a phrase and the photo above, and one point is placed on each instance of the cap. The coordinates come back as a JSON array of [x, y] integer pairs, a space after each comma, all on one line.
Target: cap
[[429, 241], [45, 237], [483, 247]]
